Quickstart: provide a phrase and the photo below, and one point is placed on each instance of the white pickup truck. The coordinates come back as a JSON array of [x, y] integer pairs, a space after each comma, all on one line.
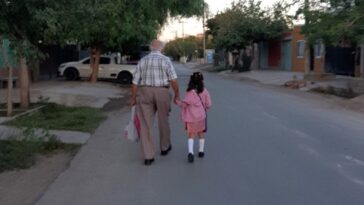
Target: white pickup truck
[[108, 69]]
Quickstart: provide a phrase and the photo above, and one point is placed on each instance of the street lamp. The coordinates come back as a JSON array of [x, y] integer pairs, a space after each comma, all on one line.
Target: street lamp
[[183, 28]]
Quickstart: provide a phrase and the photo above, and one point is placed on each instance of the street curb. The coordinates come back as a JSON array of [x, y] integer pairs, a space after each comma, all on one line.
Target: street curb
[[69, 137]]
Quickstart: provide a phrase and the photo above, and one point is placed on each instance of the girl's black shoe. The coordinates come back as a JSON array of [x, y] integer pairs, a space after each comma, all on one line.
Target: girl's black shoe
[[148, 162], [190, 158], [201, 154]]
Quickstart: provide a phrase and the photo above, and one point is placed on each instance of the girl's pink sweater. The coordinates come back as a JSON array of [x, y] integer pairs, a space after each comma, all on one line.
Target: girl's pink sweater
[[192, 108]]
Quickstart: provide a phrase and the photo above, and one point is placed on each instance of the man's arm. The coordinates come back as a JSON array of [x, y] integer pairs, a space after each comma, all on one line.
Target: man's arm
[[135, 83], [134, 90], [175, 87]]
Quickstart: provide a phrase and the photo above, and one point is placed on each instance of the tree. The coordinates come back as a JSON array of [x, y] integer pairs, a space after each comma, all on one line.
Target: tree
[[9, 67], [108, 25], [185, 47], [18, 23], [246, 23], [99, 24], [334, 22]]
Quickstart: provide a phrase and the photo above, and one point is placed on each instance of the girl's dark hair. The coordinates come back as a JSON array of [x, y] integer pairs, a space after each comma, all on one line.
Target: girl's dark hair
[[196, 82]]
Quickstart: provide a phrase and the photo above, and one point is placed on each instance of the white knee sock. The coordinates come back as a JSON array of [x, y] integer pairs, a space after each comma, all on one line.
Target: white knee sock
[[202, 145], [190, 146]]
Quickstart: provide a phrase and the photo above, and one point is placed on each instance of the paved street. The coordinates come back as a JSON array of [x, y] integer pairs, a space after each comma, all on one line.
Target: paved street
[[263, 147]]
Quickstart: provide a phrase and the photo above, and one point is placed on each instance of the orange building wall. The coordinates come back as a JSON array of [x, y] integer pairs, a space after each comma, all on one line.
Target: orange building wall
[[298, 64], [4, 73], [319, 64], [357, 71]]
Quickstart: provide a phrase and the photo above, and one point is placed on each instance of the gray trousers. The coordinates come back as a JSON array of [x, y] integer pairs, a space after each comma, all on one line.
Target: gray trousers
[[154, 100]]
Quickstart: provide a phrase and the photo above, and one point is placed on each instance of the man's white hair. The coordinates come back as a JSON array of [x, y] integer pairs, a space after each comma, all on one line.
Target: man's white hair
[[156, 45]]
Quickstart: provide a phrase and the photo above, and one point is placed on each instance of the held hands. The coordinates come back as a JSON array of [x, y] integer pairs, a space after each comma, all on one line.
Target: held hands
[[132, 101], [176, 100]]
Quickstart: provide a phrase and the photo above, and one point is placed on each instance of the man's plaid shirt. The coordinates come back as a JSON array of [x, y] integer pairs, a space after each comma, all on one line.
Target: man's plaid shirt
[[155, 70]]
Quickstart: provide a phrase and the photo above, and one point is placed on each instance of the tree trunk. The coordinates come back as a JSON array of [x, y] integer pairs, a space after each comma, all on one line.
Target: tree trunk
[[24, 84], [95, 66], [9, 93], [307, 57], [362, 61]]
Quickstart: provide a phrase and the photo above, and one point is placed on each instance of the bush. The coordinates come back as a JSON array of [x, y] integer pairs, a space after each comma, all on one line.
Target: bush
[[20, 152], [60, 117]]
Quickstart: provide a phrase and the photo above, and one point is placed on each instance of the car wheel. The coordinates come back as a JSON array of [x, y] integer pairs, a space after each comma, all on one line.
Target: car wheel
[[71, 74], [125, 78]]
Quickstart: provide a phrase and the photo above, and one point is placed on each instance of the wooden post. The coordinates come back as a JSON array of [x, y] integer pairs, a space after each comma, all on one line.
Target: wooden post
[[307, 57], [204, 37], [24, 84], [362, 61], [9, 93], [307, 52]]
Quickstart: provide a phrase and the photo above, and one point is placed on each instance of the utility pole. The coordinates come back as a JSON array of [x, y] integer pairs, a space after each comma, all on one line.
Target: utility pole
[[183, 28], [9, 93], [307, 53], [204, 36], [362, 61], [175, 34]]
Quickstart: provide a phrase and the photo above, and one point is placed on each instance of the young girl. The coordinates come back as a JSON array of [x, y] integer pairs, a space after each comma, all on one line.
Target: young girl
[[194, 113]]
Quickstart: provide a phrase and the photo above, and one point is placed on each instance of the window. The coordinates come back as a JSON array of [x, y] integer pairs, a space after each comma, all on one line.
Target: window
[[104, 60], [318, 49], [300, 49], [86, 61]]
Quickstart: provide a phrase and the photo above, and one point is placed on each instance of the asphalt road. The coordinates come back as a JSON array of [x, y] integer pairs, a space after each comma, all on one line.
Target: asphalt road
[[263, 147]]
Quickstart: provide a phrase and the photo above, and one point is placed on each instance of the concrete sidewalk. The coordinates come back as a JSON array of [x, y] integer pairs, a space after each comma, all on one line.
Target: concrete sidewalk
[[71, 93], [100, 168], [269, 77]]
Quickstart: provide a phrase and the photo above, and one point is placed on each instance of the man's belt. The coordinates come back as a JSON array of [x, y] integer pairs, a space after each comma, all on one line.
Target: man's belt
[[148, 86]]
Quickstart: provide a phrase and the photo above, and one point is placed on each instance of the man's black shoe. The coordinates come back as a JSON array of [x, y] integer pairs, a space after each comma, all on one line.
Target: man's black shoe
[[190, 158], [148, 162], [201, 154], [165, 152]]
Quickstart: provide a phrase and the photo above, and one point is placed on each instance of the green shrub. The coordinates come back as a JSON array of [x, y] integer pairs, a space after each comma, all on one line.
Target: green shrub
[[59, 117], [20, 152]]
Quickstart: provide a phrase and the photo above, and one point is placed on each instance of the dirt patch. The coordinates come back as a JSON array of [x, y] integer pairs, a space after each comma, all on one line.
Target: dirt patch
[[347, 93], [295, 84], [24, 187], [115, 104]]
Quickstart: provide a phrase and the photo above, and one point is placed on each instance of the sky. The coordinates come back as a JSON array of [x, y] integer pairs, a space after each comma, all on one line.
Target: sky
[[193, 26]]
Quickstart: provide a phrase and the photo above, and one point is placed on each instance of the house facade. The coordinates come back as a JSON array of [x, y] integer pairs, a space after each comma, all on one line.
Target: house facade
[[276, 54], [289, 53]]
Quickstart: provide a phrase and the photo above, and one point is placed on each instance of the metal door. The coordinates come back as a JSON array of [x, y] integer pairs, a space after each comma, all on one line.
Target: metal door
[[287, 55]]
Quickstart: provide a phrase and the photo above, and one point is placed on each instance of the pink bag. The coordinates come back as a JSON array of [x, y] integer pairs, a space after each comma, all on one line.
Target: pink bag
[[132, 130], [137, 124]]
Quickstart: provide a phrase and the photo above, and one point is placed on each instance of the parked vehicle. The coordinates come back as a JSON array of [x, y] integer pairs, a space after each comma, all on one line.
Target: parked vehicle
[[109, 69]]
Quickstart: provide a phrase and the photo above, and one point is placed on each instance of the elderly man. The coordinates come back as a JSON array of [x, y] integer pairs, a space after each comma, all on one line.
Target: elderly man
[[152, 79]]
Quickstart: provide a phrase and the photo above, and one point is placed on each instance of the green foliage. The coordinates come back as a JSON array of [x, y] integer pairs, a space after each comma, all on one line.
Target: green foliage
[[5, 47], [333, 21], [96, 23], [190, 46], [111, 24], [20, 152], [246, 23], [60, 117], [19, 24]]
